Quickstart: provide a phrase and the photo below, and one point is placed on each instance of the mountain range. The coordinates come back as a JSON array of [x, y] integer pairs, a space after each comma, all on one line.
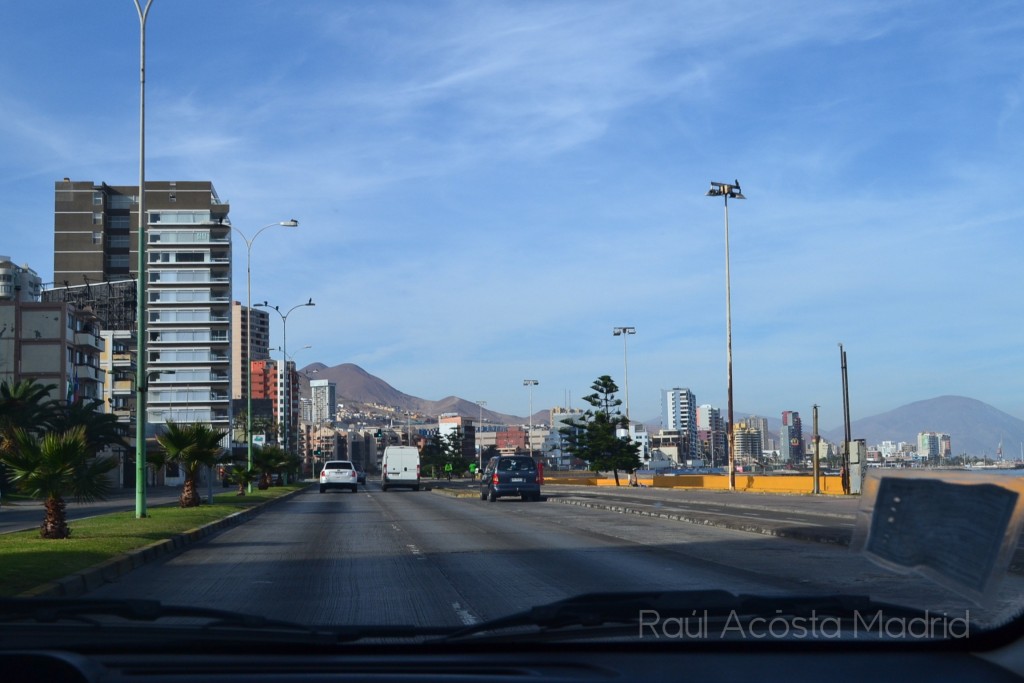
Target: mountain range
[[974, 427]]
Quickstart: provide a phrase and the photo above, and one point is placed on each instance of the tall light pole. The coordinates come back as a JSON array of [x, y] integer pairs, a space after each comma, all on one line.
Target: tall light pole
[[480, 448], [140, 295], [624, 332], [529, 435], [248, 330], [727, 191], [287, 373]]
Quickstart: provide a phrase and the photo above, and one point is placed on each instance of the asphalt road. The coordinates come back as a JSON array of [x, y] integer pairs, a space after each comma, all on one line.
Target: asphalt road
[[405, 557]]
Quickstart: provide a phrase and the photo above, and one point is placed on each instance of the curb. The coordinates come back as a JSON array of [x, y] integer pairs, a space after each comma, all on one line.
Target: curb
[[828, 536], [80, 583]]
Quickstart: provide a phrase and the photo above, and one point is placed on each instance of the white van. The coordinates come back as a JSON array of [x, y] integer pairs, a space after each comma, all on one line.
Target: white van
[[400, 467]]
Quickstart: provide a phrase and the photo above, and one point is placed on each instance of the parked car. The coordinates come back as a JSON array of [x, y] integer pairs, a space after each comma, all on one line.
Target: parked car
[[510, 475], [339, 474]]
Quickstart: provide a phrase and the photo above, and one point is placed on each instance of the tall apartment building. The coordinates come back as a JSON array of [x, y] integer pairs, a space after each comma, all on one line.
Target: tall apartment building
[[240, 324], [679, 413], [791, 437], [269, 381], [711, 434], [323, 394], [18, 283], [187, 285]]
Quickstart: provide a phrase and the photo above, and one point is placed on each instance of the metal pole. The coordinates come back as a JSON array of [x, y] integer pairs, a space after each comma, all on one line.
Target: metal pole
[[814, 458], [728, 351], [140, 312], [531, 383]]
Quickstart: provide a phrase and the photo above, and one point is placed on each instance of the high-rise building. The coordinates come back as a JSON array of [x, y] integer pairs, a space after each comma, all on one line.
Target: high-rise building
[[679, 413], [187, 284], [240, 324], [18, 283], [791, 437], [323, 394], [712, 436]]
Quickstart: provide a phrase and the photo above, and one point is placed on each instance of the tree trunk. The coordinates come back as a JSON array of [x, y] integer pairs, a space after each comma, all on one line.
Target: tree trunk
[[616, 471], [55, 524], [189, 495]]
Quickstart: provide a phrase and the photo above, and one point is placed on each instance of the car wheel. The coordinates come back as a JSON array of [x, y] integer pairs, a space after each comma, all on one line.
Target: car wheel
[[415, 488], [524, 497], [536, 497], [322, 489], [483, 495], [355, 489], [384, 487], [492, 495]]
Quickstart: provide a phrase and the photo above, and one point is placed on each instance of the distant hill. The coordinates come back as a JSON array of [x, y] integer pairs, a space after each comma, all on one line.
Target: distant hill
[[974, 427], [353, 384]]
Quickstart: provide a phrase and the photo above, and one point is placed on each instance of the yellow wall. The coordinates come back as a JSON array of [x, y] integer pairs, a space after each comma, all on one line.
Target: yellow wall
[[754, 483]]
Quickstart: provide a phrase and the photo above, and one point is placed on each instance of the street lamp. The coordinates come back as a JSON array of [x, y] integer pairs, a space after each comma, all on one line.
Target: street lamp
[[727, 191], [287, 374], [480, 447], [529, 435], [248, 329], [624, 332], [140, 296]]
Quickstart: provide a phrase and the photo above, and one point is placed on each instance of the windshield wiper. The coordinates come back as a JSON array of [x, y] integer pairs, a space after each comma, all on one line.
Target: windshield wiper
[[593, 610], [54, 610]]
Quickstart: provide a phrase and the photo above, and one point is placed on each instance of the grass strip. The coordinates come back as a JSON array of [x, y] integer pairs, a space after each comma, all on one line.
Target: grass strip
[[27, 561]]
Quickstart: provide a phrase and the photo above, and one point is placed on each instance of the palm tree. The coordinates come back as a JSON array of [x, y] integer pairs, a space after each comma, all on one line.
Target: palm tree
[[268, 461], [193, 446], [243, 476], [101, 429], [55, 465], [26, 405]]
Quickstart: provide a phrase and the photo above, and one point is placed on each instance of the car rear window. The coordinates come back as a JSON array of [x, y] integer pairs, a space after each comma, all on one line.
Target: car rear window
[[338, 466], [515, 464]]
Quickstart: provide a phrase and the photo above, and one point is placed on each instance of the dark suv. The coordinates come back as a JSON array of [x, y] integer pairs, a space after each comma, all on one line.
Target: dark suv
[[510, 475]]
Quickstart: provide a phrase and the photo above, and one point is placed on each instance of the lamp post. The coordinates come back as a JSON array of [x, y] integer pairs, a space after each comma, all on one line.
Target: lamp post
[[140, 296], [480, 447], [727, 191], [529, 435], [287, 373], [248, 330], [624, 332]]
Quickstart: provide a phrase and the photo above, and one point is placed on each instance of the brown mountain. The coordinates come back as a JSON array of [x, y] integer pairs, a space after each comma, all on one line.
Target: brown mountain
[[974, 427], [353, 384]]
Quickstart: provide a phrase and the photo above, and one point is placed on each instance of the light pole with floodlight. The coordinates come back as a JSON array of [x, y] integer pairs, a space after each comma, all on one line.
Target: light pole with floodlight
[[727, 191], [140, 296], [529, 435], [287, 372], [624, 332], [248, 330]]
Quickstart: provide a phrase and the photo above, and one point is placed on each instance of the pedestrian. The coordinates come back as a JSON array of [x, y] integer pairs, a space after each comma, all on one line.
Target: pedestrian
[[448, 470], [632, 478]]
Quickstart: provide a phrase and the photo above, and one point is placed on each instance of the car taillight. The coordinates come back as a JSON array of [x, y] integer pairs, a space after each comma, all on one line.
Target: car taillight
[[494, 478]]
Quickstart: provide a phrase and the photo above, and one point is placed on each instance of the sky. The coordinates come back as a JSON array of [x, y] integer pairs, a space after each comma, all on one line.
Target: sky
[[486, 189]]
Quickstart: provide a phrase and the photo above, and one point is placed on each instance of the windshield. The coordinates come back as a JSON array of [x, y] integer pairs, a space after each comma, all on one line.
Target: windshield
[[568, 299]]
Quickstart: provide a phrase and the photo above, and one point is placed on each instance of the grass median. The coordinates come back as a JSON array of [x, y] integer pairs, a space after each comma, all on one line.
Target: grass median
[[29, 561]]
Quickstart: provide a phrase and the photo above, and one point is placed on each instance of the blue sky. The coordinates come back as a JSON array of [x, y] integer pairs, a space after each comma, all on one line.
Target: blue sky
[[486, 189]]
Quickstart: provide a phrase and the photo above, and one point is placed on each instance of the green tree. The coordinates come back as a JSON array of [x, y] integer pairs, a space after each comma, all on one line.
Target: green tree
[[193, 447], [433, 454], [268, 461], [592, 437], [54, 465], [452, 448], [101, 429]]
